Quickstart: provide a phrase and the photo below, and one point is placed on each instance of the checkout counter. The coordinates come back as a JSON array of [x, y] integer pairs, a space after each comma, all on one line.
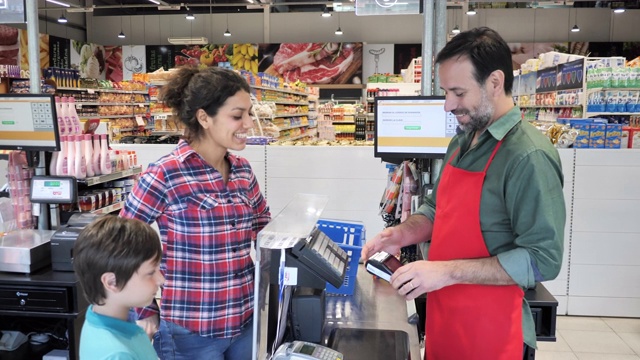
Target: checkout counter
[[370, 324], [39, 293]]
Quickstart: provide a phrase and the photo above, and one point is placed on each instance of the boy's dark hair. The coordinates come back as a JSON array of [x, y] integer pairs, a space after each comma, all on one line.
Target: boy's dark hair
[[191, 89], [486, 50], [112, 244]]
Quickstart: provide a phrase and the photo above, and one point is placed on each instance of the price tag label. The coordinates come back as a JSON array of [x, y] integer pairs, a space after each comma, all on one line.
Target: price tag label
[[160, 117], [141, 105], [78, 106], [91, 91], [139, 120]]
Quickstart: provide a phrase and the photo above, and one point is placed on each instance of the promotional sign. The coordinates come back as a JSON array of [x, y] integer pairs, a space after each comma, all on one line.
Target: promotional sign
[[546, 80], [387, 7], [59, 52], [159, 56], [313, 63], [12, 12], [571, 75], [89, 59], [377, 59], [134, 61]]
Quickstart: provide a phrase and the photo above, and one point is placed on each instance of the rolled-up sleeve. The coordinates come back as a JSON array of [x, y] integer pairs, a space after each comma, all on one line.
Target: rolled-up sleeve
[[535, 203]]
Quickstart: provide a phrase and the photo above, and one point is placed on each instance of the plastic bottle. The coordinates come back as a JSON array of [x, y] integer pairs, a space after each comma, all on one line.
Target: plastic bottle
[[62, 126], [80, 162], [62, 161], [96, 155], [88, 155], [64, 107], [54, 162], [71, 155], [105, 160], [73, 116]]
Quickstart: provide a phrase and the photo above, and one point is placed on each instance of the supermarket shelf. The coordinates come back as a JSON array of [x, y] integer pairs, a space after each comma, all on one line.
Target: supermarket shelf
[[284, 115], [159, 115], [110, 116], [279, 90], [166, 132], [549, 106], [79, 105], [344, 122], [110, 177], [294, 127], [290, 103], [104, 90], [612, 88], [589, 114], [298, 137], [109, 209]]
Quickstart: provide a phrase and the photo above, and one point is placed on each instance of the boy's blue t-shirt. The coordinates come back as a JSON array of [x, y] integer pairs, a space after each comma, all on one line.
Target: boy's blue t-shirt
[[107, 338]]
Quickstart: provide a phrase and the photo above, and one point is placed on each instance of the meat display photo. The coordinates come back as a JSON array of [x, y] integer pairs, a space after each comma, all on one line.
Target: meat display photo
[[313, 63], [9, 46]]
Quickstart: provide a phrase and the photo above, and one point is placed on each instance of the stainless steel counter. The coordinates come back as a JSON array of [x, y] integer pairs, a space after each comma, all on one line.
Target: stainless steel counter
[[374, 305]]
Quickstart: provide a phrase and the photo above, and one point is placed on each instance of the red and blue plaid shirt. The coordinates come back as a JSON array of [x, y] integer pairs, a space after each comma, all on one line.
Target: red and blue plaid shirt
[[206, 228]]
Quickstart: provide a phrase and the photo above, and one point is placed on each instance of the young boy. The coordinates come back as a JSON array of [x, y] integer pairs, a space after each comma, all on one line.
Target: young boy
[[117, 262]]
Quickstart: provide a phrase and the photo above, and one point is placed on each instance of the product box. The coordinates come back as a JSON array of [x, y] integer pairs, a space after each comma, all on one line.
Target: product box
[[584, 128], [597, 132], [630, 137], [613, 136]]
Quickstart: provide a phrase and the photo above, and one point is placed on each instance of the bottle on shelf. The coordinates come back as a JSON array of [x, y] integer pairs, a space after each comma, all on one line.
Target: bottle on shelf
[[64, 107], [62, 126], [62, 161], [73, 115], [95, 161], [71, 155], [88, 155], [80, 168], [105, 159]]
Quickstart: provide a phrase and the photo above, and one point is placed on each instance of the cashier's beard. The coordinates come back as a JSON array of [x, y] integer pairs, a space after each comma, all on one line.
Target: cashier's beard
[[478, 118]]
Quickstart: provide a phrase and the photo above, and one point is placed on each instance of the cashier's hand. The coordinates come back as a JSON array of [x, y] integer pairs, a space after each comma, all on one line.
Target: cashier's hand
[[387, 240], [420, 277], [150, 325]]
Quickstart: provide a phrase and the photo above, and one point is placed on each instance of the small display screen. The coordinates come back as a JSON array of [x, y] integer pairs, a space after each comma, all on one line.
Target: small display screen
[[307, 349], [28, 122], [412, 127], [54, 190]]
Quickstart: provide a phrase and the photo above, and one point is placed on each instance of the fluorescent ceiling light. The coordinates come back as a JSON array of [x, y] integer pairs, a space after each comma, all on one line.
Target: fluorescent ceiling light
[[188, 40], [59, 3], [155, 2], [619, 10]]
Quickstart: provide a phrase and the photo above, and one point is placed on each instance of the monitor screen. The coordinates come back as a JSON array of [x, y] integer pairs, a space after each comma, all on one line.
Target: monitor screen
[[412, 127], [28, 122]]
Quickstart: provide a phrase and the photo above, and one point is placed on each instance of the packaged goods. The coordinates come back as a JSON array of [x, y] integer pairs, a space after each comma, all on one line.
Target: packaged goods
[[597, 133], [613, 136]]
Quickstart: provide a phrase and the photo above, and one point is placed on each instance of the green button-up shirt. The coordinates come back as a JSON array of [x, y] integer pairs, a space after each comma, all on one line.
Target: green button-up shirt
[[522, 209]]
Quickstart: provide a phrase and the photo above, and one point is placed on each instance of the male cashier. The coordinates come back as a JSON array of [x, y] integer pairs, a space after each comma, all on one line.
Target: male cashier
[[495, 219]]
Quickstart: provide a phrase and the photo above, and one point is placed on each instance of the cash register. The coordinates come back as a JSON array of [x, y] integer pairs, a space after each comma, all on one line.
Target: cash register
[[65, 237]]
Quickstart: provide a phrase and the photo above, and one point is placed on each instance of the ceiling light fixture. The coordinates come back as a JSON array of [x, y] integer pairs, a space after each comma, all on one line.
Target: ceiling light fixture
[[575, 27], [59, 3], [121, 35], [155, 2], [456, 30], [471, 10], [62, 19], [227, 32], [339, 30], [190, 15], [619, 10], [326, 12]]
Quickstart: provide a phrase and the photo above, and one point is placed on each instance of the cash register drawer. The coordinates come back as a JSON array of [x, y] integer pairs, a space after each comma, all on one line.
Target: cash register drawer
[[46, 299]]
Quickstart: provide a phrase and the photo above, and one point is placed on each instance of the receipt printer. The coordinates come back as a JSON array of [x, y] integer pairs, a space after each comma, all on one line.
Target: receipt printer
[[65, 237]]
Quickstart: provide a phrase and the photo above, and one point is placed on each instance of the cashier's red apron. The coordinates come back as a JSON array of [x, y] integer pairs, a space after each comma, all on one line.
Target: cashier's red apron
[[468, 322]]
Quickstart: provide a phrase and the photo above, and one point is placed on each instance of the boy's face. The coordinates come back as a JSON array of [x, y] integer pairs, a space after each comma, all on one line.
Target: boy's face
[[143, 285]]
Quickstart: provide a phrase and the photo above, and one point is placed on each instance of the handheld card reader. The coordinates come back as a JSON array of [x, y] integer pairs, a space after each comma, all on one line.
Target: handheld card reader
[[382, 265]]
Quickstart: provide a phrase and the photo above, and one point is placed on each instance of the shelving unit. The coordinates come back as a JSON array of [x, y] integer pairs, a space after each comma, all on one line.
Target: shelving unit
[[292, 111], [110, 177]]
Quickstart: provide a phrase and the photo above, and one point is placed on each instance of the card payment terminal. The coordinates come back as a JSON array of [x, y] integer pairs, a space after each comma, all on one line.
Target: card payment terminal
[[302, 350]]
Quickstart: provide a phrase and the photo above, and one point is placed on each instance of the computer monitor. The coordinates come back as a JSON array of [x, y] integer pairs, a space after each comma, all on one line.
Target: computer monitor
[[412, 127], [28, 122]]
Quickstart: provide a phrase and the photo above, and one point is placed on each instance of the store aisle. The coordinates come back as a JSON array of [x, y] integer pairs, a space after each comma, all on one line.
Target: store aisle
[[593, 338]]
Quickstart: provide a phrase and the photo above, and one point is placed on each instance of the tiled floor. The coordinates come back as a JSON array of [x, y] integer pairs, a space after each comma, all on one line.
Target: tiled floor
[[593, 338]]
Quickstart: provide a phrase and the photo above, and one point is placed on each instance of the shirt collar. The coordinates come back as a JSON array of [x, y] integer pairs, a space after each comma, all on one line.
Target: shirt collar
[[184, 151], [124, 328], [501, 127]]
